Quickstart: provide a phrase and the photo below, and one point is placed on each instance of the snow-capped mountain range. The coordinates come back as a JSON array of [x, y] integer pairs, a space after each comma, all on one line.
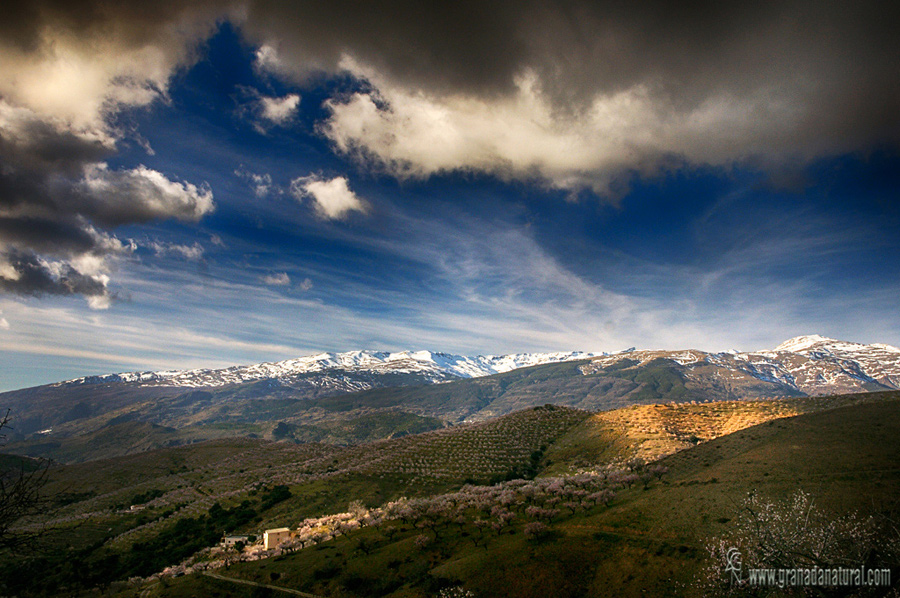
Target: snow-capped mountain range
[[810, 365], [307, 391], [435, 367]]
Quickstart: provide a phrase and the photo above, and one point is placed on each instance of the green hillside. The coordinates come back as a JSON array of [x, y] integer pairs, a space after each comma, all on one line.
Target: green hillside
[[620, 530], [649, 540], [165, 500]]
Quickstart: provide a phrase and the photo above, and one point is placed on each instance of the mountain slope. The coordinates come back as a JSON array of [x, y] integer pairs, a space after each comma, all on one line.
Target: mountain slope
[[319, 398], [434, 367], [649, 539], [804, 365]]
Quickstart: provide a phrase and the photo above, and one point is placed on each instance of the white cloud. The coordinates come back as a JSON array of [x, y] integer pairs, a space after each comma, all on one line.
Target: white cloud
[[4, 324], [306, 284], [279, 279], [261, 183], [414, 133], [265, 112], [142, 194], [188, 252], [279, 111], [99, 302], [332, 199]]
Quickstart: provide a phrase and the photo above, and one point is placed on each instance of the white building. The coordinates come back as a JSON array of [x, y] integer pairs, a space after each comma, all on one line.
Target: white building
[[229, 541], [273, 537]]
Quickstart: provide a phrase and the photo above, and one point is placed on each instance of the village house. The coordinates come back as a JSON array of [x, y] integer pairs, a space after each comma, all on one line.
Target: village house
[[229, 541], [273, 537]]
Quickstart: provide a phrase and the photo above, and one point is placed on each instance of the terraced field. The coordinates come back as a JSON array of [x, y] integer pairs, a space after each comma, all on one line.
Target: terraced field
[[650, 539], [107, 508], [650, 432]]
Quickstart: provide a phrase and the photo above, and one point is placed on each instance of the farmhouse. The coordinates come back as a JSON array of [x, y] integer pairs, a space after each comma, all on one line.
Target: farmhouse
[[229, 541], [273, 537]]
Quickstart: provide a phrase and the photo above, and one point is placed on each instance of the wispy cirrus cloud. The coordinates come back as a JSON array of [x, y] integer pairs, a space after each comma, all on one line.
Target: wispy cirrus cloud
[[261, 182], [188, 252], [279, 279]]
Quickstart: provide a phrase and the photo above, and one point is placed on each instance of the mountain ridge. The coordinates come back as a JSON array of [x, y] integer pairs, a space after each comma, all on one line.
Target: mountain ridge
[[824, 365], [351, 397], [437, 364], [810, 364]]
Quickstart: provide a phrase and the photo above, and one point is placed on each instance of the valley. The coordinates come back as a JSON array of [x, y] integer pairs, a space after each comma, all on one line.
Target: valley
[[356, 397], [709, 454], [611, 474]]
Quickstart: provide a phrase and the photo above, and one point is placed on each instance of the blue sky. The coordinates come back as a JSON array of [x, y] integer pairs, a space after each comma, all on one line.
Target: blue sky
[[245, 198]]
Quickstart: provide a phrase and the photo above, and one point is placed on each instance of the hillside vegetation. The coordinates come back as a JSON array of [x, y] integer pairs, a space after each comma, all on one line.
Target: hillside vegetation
[[184, 498], [650, 539], [99, 423]]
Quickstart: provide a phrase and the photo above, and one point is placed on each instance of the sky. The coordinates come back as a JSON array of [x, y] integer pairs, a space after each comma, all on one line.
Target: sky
[[203, 184]]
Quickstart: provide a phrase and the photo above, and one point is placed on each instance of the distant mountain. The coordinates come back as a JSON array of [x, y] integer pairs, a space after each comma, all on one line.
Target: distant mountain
[[346, 398], [811, 365], [436, 367], [805, 365], [246, 398]]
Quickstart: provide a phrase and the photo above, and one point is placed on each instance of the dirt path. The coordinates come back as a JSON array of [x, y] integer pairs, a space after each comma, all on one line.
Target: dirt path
[[260, 585]]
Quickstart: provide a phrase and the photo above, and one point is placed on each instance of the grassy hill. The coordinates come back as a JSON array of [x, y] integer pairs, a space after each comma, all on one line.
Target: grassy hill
[[650, 432], [649, 540], [106, 508], [650, 536], [87, 421]]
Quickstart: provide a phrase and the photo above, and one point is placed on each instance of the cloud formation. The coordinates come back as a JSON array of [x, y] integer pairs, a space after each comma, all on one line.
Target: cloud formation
[[81, 61], [571, 94], [585, 94], [188, 252], [279, 111], [332, 199], [261, 183], [279, 279], [59, 199], [69, 69], [27, 273], [265, 112]]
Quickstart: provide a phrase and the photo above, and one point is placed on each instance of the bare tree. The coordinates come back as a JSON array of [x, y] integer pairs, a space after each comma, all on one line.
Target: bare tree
[[22, 483], [795, 534]]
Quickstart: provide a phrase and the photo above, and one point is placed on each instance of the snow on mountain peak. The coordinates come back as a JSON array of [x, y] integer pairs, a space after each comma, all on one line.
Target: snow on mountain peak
[[437, 366], [800, 343]]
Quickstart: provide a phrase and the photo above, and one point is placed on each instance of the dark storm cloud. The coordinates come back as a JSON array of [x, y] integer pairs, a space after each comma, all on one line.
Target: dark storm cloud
[[135, 23], [31, 144], [54, 237], [51, 170], [610, 88], [583, 48], [700, 82], [69, 67], [452, 45], [54, 192], [34, 276]]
